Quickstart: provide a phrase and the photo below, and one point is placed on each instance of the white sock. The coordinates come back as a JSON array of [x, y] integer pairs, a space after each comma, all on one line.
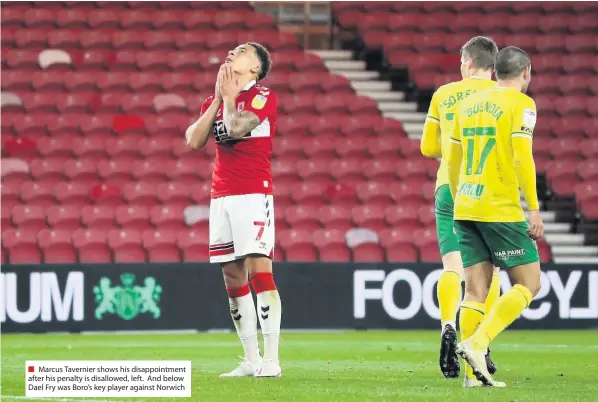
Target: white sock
[[451, 323], [270, 311], [242, 311]]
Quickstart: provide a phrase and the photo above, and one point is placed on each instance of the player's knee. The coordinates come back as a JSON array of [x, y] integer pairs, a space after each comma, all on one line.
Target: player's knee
[[258, 263], [476, 291], [452, 262], [235, 274]]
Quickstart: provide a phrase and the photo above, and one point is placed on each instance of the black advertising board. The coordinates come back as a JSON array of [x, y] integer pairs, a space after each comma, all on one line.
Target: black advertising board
[[74, 298]]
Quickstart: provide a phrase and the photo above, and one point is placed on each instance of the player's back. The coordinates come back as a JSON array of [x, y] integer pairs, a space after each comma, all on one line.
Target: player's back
[[485, 125], [442, 109]]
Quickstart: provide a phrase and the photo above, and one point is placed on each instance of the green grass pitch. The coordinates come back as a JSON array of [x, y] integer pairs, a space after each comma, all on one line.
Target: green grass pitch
[[335, 366]]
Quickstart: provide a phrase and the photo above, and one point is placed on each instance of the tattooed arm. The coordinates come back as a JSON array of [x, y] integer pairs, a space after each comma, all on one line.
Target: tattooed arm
[[238, 124]]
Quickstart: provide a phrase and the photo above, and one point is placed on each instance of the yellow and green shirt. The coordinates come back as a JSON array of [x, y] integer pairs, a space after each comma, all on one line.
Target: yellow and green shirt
[[493, 131], [435, 138]]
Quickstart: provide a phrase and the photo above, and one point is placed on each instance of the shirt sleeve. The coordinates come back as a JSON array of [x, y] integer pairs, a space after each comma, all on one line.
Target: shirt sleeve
[[262, 104], [430, 144], [524, 119], [206, 104], [433, 113]]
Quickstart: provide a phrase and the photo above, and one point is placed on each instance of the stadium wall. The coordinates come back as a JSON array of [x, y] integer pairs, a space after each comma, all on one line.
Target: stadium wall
[[79, 298]]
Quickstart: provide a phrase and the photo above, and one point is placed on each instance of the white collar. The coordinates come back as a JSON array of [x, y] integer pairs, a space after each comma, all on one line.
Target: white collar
[[249, 85]]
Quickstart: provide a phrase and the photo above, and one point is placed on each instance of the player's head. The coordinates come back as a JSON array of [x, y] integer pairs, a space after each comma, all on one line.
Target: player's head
[[478, 55], [514, 65], [250, 59]]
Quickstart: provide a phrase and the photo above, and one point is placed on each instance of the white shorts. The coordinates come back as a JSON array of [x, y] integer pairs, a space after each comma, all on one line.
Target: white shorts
[[241, 225]]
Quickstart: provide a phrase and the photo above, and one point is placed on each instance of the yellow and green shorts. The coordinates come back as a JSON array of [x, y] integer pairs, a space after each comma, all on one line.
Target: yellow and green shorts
[[445, 229], [506, 245]]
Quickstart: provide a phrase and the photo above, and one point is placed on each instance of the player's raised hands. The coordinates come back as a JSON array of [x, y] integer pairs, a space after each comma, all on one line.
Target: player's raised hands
[[217, 94], [229, 84], [536, 226]]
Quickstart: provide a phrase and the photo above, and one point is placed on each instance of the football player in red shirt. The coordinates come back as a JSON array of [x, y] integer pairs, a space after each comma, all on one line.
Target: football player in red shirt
[[241, 115]]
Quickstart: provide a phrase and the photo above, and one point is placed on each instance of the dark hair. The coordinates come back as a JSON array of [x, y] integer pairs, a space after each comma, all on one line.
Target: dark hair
[[265, 60], [482, 51], [510, 63]]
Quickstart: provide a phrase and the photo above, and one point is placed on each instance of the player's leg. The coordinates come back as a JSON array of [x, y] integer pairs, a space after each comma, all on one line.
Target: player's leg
[[511, 249], [515, 251], [242, 307], [493, 295], [253, 233], [449, 283], [478, 272]]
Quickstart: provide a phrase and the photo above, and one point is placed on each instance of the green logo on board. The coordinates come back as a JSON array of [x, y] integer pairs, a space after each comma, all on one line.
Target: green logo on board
[[129, 300]]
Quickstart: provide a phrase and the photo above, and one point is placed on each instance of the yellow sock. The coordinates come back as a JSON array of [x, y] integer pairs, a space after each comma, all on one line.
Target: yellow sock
[[449, 296], [493, 293], [470, 317], [506, 310]]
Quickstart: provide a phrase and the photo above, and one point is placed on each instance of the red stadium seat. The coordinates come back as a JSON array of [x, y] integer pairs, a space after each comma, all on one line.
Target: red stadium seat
[[347, 171], [403, 217], [81, 170], [374, 194], [194, 246], [72, 193], [167, 218], [64, 218], [29, 217], [369, 217], [126, 246], [57, 246], [302, 217], [381, 169], [140, 194], [331, 245], [300, 253], [21, 246], [149, 170], [38, 193], [98, 217], [161, 245], [335, 217], [131, 217], [368, 253], [92, 246]]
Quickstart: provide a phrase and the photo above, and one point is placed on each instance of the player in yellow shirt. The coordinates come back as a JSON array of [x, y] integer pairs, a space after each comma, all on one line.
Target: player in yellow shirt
[[489, 161], [477, 64]]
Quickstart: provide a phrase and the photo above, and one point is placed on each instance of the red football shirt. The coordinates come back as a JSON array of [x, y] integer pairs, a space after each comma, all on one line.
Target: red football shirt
[[243, 166]]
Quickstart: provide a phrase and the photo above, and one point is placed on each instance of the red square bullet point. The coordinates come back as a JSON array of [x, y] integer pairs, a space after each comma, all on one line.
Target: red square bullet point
[[31, 369]]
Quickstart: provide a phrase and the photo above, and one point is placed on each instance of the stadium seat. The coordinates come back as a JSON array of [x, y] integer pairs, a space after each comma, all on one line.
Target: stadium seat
[[21, 246], [302, 217], [161, 245], [368, 253], [57, 246], [369, 217], [167, 217], [30, 218], [194, 246], [64, 218], [38, 194], [126, 246], [91, 246]]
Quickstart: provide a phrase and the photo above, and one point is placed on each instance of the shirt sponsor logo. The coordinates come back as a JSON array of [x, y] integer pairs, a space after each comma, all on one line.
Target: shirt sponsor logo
[[259, 102], [507, 254], [240, 106], [529, 117], [527, 130]]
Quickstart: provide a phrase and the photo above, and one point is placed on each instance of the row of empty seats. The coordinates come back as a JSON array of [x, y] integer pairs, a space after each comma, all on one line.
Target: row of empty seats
[[536, 45], [471, 22], [488, 7], [309, 216], [187, 62], [153, 82], [118, 245]]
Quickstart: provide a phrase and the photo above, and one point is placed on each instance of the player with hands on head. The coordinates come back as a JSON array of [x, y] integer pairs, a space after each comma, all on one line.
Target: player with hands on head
[[241, 116]]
